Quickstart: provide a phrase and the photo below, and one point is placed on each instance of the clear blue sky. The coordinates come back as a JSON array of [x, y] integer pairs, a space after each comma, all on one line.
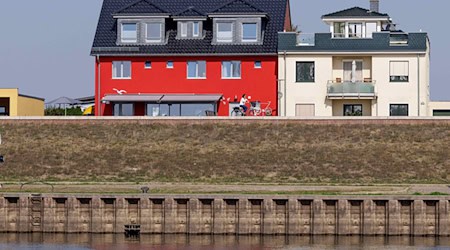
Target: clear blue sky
[[45, 44]]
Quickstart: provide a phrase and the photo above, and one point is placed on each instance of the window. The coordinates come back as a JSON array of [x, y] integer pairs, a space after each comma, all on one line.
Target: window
[[231, 69], [123, 109], [148, 64], [129, 32], [153, 32], [353, 110], [370, 29], [305, 72], [169, 65], [121, 70], [258, 64], [249, 32], [355, 30], [3, 111], [353, 71], [196, 69], [183, 109], [184, 29], [398, 110], [399, 71], [224, 32], [339, 29], [196, 29]]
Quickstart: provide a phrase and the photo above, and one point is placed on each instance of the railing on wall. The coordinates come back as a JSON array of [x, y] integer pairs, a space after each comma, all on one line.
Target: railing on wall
[[357, 89]]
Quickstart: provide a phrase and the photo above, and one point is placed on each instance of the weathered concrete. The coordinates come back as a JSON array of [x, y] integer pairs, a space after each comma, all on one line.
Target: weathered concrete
[[223, 214]]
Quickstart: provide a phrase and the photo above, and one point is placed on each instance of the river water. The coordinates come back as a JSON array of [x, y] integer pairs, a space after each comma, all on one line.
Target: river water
[[207, 242]]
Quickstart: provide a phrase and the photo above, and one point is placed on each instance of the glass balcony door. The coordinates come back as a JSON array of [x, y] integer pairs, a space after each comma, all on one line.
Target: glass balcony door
[[353, 71]]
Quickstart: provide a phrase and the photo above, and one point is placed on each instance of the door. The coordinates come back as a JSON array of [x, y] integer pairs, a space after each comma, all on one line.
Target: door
[[353, 110], [305, 110], [353, 71]]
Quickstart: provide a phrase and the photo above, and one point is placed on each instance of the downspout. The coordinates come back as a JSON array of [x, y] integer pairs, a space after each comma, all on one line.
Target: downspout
[[285, 83], [418, 85], [99, 104]]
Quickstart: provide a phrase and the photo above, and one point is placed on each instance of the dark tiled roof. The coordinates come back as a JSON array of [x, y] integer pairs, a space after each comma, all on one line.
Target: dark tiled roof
[[141, 7], [355, 12], [417, 42], [238, 6], [106, 35], [189, 12]]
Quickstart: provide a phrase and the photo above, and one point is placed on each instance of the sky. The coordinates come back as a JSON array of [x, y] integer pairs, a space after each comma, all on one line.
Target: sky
[[45, 45]]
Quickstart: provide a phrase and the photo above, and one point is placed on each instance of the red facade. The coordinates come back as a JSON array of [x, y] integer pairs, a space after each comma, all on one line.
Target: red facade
[[260, 84]]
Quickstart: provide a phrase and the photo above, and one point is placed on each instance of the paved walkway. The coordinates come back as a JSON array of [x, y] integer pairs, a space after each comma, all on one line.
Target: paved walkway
[[190, 188]]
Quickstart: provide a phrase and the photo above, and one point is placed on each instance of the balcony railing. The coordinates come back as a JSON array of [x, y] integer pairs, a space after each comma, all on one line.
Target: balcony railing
[[306, 39], [357, 90]]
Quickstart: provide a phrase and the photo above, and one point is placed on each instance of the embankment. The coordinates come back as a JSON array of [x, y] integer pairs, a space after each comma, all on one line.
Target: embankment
[[222, 150]]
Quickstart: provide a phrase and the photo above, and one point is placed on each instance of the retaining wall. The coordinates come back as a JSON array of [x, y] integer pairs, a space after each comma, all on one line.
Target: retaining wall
[[220, 214]]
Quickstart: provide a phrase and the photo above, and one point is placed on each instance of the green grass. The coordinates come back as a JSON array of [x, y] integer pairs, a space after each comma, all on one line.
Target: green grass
[[226, 153]]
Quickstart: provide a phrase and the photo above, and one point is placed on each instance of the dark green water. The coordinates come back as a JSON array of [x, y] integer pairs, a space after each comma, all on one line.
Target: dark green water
[[171, 242]]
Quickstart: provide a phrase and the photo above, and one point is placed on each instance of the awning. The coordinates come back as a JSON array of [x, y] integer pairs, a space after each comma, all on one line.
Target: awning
[[132, 98], [163, 98], [191, 98]]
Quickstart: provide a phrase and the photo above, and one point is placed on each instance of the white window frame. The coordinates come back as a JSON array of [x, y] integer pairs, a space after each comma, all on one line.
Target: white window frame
[[256, 66], [194, 34], [151, 40], [196, 70], [145, 65], [184, 29], [167, 64], [391, 73], [227, 40], [121, 70], [242, 33], [124, 40], [232, 69]]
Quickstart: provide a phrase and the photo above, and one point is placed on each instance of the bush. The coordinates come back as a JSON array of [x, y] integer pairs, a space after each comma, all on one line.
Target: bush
[[73, 111]]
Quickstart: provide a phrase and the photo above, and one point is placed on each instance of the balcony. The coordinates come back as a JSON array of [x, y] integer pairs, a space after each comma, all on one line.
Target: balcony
[[351, 90]]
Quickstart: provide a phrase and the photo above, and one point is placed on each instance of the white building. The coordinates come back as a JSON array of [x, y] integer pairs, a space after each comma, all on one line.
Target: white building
[[363, 67]]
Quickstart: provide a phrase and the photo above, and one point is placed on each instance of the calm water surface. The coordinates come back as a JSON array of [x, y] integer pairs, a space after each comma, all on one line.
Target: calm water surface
[[170, 242]]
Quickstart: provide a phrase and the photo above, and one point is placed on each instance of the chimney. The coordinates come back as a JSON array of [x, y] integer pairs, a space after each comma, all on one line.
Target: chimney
[[375, 5]]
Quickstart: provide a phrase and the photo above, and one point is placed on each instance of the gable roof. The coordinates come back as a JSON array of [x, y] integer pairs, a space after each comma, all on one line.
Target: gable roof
[[355, 12], [106, 34], [189, 12], [141, 7], [238, 7]]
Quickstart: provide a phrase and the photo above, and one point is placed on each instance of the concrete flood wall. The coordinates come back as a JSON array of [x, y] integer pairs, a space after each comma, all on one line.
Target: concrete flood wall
[[219, 214]]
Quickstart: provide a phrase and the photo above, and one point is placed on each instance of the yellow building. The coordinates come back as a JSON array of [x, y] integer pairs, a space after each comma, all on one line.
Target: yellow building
[[14, 104]]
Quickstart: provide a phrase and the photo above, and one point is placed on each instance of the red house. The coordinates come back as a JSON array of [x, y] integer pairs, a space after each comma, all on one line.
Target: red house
[[186, 58]]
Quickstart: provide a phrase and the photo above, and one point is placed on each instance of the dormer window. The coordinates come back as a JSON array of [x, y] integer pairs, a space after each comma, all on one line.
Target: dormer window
[[153, 32], [196, 29], [339, 29], [249, 32], [129, 32], [225, 32], [354, 29], [189, 29]]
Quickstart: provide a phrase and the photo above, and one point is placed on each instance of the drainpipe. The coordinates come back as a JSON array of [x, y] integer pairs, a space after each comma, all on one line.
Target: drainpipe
[[99, 108], [418, 85], [285, 83]]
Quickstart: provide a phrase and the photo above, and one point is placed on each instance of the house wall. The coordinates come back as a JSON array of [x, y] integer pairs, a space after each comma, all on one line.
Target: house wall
[[303, 92], [260, 84], [30, 106], [402, 92], [12, 94], [377, 67]]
